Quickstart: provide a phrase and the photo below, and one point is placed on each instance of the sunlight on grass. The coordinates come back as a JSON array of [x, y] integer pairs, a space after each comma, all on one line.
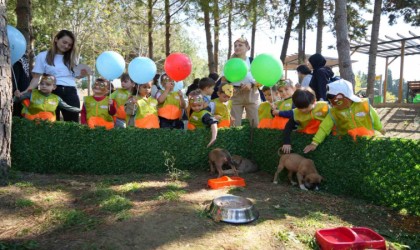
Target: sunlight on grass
[[71, 218], [21, 203], [173, 193], [130, 187], [98, 194], [116, 203], [23, 184], [316, 220]]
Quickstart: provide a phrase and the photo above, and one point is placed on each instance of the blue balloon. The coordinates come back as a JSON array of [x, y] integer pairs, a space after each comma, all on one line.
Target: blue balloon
[[142, 70], [110, 65], [17, 43]]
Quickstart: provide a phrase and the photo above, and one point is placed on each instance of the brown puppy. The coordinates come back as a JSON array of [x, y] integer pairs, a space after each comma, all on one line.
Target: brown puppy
[[217, 158], [304, 168], [244, 165]]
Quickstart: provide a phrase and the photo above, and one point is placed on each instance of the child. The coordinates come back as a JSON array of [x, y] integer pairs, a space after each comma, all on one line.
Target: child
[[42, 104], [223, 105], [350, 115], [145, 113], [170, 104], [120, 96], [307, 115], [265, 109], [206, 85], [286, 91], [98, 110], [201, 117]]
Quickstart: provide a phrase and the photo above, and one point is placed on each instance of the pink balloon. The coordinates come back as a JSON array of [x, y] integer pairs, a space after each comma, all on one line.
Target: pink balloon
[[178, 66]]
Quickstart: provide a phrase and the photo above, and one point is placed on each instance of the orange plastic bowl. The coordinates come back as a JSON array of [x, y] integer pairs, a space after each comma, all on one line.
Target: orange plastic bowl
[[226, 181]]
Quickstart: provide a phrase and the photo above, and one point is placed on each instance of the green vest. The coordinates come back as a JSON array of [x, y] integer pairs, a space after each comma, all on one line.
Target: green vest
[[97, 109], [146, 107], [196, 118], [171, 99], [285, 105], [264, 111], [222, 109], [317, 113], [42, 103], [120, 96], [356, 116]]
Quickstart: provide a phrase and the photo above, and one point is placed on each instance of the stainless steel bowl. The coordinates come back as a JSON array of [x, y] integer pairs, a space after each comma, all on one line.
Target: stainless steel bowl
[[233, 209]]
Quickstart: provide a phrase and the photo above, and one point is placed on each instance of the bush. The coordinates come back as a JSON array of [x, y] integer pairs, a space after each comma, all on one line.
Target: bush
[[384, 171]]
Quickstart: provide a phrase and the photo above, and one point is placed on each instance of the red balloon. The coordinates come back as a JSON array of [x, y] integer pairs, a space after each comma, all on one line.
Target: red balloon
[[178, 66]]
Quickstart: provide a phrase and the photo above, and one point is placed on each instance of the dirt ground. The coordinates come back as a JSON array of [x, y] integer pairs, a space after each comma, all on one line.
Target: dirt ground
[[156, 212], [401, 122]]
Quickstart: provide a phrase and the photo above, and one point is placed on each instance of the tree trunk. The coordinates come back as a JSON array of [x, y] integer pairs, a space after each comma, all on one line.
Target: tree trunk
[[229, 25], [301, 30], [5, 98], [216, 35], [373, 50], [288, 30], [206, 10], [343, 45], [254, 26], [167, 28], [320, 26], [24, 24], [150, 27]]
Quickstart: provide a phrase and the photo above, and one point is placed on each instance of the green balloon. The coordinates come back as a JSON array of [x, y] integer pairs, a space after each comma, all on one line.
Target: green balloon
[[266, 69], [235, 70]]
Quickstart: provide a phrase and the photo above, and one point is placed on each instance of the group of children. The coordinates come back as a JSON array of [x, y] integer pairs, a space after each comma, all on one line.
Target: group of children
[[286, 108]]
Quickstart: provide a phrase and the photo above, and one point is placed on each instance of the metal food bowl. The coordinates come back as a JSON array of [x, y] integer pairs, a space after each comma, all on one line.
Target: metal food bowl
[[232, 209]]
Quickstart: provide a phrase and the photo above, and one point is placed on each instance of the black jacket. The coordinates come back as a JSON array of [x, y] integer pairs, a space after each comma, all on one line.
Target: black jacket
[[321, 76]]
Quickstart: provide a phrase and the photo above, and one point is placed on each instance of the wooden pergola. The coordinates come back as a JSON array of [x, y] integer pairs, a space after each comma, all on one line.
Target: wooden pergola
[[390, 49]]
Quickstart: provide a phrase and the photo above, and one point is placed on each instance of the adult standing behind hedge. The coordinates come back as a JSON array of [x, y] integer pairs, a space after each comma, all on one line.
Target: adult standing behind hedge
[[60, 61], [321, 76], [245, 95]]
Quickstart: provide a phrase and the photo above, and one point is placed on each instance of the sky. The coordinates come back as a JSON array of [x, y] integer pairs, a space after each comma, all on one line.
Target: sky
[[268, 41]]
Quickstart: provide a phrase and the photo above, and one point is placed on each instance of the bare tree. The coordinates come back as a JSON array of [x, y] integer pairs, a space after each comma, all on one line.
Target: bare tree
[[286, 39], [320, 26], [229, 26], [343, 44], [216, 31], [24, 24], [5, 98], [302, 31], [205, 7], [373, 49]]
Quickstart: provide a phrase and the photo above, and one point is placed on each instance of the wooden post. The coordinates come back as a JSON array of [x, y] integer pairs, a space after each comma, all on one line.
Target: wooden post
[[386, 79], [400, 88]]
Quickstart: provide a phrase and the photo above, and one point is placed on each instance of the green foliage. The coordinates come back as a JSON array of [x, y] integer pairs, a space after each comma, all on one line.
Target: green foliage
[[116, 203], [383, 171], [72, 218], [21, 203]]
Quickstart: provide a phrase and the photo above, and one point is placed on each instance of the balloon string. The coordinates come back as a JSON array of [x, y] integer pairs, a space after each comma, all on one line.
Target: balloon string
[[14, 77]]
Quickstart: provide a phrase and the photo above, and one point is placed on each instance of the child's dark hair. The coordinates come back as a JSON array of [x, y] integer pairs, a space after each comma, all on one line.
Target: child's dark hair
[[125, 77], [193, 86], [265, 88], [303, 97], [206, 82], [214, 76], [303, 69]]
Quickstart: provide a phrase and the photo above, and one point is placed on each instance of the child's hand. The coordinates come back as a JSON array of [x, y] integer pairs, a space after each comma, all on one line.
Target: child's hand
[[180, 94], [110, 102], [310, 147], [218, 117], [286, 148], [211, 142], [275, 112]]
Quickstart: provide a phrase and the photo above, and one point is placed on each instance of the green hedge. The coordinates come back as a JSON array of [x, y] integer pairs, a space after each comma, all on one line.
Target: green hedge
[[384, 171]]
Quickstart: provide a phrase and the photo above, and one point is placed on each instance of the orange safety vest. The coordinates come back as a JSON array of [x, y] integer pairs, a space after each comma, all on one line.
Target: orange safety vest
[[264, 115], [41, 107], [278, 121], [146, 114], [97, 114], [223, 109], [309, 122], [171, 108], [120, 96]]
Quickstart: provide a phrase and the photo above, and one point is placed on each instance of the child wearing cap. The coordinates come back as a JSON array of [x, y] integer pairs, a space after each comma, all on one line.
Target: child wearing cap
[[200, 116], [349, 114], [143, 113], [222, 106], [265, 109], [307, 115], [120, 96], [98, 110], [41, 103], [286, 90]]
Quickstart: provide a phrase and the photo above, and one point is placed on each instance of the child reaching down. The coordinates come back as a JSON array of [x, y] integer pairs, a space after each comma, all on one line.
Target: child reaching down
[[349, 114], [98, 110], [201, 117], [307, 115], [42, 104]]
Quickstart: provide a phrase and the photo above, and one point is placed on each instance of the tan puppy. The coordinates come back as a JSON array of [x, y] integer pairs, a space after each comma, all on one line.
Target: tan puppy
[[244, 165], [217, 158], [304, 168]]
